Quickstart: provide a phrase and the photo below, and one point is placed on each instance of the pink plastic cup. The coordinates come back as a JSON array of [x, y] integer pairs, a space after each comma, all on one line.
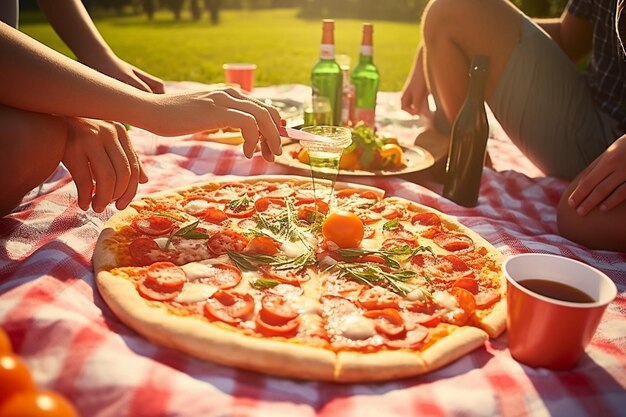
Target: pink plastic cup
[[546, 332], [241, 74]]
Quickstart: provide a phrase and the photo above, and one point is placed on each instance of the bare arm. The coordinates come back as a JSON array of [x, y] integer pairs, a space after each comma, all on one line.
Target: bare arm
[[72, 23], [44, 81], [571, 33]]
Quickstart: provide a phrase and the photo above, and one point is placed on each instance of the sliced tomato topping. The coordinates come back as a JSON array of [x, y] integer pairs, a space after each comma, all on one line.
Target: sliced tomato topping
[[242, 211], [370, 195], [287, 277], [469, 284], [263, 245], [421, 306], [272, 206], [285, 329], [230, 191], [261, 188], [222, 276], [153, 225], [148, 289], [430, 232], [229, 307], [467, 307], [166, 274], [387, 321], [345, 193], [412, 318], [398, 243], [369, 217], [275, 309], [426, 219], [401, 233], [214, 215], [368, 231], [371, 258], [411, 340], [453, 242], [281, 192], [226, 241], [391, 213], [377, 298], [486, 298], [145, 251], [457, 264]]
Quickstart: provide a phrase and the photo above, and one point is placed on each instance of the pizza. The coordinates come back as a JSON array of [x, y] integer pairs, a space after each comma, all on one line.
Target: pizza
[[257, 273]]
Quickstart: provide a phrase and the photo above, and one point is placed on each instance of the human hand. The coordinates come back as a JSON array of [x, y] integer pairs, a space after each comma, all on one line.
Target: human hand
[[603, 182], [111, 65], [101, 152], [190, 112]]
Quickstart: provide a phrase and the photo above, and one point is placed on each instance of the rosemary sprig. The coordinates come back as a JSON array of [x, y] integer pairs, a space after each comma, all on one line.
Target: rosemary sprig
[[240, 203], [389, 255], [251, 261], [373, 275], [188, 232]]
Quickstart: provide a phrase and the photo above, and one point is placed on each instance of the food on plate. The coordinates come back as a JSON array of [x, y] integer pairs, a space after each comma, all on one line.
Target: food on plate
[[368, 152], [255, 273], [227, 135]]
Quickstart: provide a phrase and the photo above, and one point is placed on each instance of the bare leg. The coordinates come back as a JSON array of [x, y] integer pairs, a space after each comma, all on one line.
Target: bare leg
[[597, 229], [456, 30], [31, 147]]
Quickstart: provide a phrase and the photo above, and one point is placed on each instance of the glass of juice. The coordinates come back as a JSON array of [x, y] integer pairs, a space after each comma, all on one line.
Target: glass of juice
[[324, 156]]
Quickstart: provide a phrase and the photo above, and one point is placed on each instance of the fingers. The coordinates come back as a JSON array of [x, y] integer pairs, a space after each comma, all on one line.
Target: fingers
[[255, 119], [78, 166], [126, 186], [102, 152]]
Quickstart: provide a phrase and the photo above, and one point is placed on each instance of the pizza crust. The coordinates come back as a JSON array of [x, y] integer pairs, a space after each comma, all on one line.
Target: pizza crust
[[453, 346], [379, 366]]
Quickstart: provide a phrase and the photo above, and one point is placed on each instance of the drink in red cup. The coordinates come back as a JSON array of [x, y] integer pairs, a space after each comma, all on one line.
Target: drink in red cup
[[554, 307], [241, 74]]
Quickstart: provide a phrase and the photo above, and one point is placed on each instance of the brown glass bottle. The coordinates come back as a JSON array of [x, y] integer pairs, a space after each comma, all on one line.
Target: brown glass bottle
[[468, 142]]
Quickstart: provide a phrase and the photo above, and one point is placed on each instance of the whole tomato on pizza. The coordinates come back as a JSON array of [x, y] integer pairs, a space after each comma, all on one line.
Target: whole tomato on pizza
[[256, 273]]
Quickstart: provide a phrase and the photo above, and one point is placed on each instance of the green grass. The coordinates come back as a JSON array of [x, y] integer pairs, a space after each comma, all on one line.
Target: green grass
[[283, 46]]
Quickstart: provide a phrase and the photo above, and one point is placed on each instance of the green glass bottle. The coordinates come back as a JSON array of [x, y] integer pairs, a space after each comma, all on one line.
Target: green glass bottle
[[468, 143], [326, 78], [365, 79]]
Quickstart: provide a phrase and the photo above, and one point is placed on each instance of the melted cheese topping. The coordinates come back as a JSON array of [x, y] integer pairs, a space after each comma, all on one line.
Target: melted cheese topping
[[197, 270], [196, 206], [356, 327], [194, 292], [445, 300]]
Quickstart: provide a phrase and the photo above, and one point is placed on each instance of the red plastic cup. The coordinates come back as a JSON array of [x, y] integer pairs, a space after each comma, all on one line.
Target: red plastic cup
[[241, 74], [546, 332]]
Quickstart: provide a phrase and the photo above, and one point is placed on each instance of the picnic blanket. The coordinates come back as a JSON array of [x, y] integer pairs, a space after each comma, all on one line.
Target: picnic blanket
[[72, 342]]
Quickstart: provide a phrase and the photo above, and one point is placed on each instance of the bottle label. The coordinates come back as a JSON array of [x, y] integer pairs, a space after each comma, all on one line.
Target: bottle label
[[367, 50], [368, 116], [327, 51]]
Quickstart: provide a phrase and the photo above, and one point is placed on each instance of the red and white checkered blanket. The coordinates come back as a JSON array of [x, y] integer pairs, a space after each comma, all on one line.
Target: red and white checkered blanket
[[72, 343]]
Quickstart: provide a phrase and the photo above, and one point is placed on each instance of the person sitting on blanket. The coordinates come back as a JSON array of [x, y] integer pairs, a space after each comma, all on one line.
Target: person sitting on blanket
[[570, 125], [54, 109]]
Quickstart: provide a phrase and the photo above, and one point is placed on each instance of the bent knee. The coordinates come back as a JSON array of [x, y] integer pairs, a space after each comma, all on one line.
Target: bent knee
[[31, 147]]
